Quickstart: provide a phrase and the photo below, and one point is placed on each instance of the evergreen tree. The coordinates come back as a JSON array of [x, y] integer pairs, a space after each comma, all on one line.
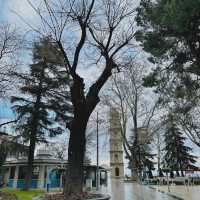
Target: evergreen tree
[[3, 154], [169, 31], [177, 154], [143, 156], [44, 99], [147, 159]]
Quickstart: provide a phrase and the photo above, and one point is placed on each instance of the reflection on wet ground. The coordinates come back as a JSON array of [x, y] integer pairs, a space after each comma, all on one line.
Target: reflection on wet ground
[[191, 192], [132, 191]]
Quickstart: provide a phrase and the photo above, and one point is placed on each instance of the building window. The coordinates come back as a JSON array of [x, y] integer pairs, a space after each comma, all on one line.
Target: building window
[[116, 171], [35, 174]]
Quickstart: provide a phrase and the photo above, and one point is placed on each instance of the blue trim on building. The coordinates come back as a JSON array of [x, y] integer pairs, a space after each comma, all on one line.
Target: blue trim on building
[[55, 183], [20, 183], [10, 183]]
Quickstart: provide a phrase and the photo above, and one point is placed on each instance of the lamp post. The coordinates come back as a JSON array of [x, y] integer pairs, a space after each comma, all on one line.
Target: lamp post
[[166, 169], [97, 182]]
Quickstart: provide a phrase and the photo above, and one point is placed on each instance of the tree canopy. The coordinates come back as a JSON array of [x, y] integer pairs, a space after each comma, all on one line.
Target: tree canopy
[[169, 31]]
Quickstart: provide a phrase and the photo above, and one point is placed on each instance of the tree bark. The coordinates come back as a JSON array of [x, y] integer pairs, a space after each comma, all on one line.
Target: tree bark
[[83, 107], [29, 170], [77, 141], [76, 154]]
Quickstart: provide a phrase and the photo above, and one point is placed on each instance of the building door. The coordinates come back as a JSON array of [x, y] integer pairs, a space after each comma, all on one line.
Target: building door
[[116, 171]]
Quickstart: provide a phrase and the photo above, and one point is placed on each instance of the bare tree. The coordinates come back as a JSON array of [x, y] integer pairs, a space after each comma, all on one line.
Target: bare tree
[[128, 97], [9, 46], [59, 149], [189, 122], [103, 28]]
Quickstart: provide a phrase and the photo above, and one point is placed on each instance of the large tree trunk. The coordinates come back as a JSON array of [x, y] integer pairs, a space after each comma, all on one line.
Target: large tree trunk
[[76, 154], [29, 170], [83, 107], [134, 171], [77, 141]]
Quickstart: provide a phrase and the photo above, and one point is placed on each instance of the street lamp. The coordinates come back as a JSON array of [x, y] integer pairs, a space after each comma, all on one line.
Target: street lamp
[[166, 169], [97, 171]]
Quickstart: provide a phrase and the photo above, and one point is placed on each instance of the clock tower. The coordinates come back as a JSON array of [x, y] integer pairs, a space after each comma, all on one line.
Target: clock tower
[[116, 145]]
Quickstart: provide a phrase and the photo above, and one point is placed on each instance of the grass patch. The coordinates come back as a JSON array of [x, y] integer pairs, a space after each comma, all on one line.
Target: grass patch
[[23, 195]]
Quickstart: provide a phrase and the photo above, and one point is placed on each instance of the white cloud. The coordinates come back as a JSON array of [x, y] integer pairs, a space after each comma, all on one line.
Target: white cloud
[[13, 8]]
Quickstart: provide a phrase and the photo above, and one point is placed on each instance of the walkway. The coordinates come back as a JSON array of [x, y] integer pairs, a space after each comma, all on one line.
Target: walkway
[[133, 191], [185, 192]]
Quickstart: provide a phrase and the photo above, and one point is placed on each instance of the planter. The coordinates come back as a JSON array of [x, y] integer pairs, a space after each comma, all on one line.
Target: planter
[[104, 197]]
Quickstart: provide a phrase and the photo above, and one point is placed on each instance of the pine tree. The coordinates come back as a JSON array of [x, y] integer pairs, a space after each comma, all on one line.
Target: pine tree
[[147, 159], [169, 32], [177, 154], [143, 156], [3, 154], [44, 99]]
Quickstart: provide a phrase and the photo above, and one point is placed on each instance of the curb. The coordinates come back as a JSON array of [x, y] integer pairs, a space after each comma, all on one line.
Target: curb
[[38, 198], [105, 197], [167, 193]]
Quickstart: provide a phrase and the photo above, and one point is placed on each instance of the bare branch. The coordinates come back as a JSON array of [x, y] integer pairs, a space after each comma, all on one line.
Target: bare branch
[[9, 122]]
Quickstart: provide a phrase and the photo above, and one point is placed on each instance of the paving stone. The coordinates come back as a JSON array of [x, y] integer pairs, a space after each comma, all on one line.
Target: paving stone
[[119, 190]]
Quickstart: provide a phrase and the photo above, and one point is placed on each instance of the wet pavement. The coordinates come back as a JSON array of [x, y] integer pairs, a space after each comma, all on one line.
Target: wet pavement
[[120, 190], [191, 192]]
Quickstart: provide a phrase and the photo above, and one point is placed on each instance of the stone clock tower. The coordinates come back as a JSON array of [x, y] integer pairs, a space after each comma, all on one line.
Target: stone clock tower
[[116, 146]]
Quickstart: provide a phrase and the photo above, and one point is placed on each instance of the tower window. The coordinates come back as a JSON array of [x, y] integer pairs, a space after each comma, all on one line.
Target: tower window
[[116, 171]]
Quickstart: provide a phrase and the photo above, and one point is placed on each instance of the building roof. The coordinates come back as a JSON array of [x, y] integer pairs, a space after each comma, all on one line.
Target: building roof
[[18, 162], [3, 136], [43, 157], [2, 133], [50, 162]]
